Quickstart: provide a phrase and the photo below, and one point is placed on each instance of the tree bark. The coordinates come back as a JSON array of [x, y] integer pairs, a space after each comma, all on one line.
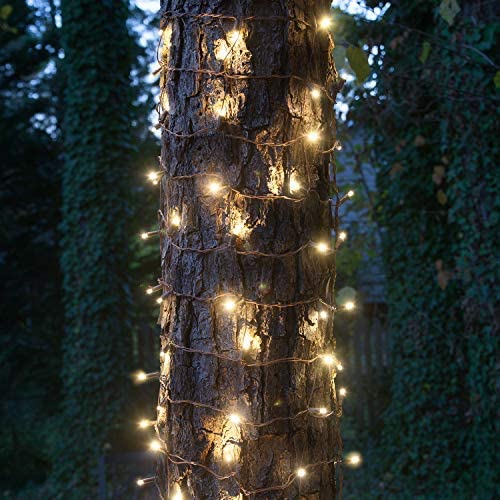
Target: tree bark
[[201, 443]]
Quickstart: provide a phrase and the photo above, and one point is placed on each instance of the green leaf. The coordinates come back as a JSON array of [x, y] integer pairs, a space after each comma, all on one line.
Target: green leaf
[[358, 61], [426, 48], [448, 10], [5, 11], [496, 80]]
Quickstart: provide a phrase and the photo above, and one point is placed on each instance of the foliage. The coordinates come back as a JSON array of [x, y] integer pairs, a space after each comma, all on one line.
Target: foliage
[[30, 314], [431, 114], [97, 140]]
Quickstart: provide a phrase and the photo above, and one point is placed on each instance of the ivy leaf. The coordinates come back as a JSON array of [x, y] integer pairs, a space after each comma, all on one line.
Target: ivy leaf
[[5, 11], [448, 10], [496, 80], [426, 48], [358, 61]]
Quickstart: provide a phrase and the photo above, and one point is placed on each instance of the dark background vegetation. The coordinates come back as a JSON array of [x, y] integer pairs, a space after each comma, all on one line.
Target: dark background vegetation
[[75, 147]]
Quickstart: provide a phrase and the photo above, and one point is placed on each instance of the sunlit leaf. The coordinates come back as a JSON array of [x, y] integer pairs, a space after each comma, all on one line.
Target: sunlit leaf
[[358, 60]]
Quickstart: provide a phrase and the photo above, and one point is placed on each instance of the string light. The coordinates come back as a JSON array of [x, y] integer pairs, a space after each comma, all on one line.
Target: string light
[[340, 367], [325, 23], [151, 289], [229, 304], [313, 136], [144, 423], [294, 184], [315, 93], [301, 472], [154, 177], [159, 300], [349, 306], [235, 418], [145, 480], [350, 193], [343, 391], [322, 247], [342, 236], [353, 459], [155, 445], [141, 376], [214, 188], [175, 219], [329, 359], [323, 314], [148, 234]]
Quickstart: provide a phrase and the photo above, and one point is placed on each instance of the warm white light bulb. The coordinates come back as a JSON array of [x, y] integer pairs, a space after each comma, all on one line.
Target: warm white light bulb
[[294, 185], [323, 411], [177, 496], [140, 482], [155, 445], [229, 305], [328, 359], [160, 408], [315, 93], [143, 423], [342, 236], [350, 193], [233, 37], [235, 418], [301, 472], [342, 391], [141, 376], [247, 342], [214, 187], [313, 136], [144, 236], [349, 306], [340, 367], [149, 290], [159, 300], [322, 247], [323, 314], [175, 219], [153, 177], [353, 459], [325, 23]]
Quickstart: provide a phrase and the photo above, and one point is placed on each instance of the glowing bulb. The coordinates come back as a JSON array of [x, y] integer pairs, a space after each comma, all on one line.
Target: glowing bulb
[[155, 445], [140, 482], [141, 376], [322, 247], [313, 136], [301, 472], [144, 236], [177, 496], [350, 193], [323, 314], [159, 300], [159, 408], [343, 391], [353, 459], [325, 23], [149, 290], [340, 367], [349, 306], [315, 94], [221, 109], [229, 305], [235, 418], [294, 184], [153, 177], [143, 423], [338, 147], [175, 219], [214, 188], [247, 343], [323, 411], [342, 235], [328, 359], [233, 36]]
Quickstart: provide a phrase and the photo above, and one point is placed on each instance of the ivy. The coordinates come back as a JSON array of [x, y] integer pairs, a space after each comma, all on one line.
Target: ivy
[[97, 140], [432, 126]]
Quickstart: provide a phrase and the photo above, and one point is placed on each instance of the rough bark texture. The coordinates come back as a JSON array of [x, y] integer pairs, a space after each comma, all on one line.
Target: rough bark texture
[[264, 110]]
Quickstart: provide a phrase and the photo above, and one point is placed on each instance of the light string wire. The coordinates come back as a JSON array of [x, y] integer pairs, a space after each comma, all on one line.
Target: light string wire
[[176, 459]]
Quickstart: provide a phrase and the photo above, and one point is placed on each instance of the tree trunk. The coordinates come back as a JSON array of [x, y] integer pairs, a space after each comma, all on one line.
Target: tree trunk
[[229, 127]]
